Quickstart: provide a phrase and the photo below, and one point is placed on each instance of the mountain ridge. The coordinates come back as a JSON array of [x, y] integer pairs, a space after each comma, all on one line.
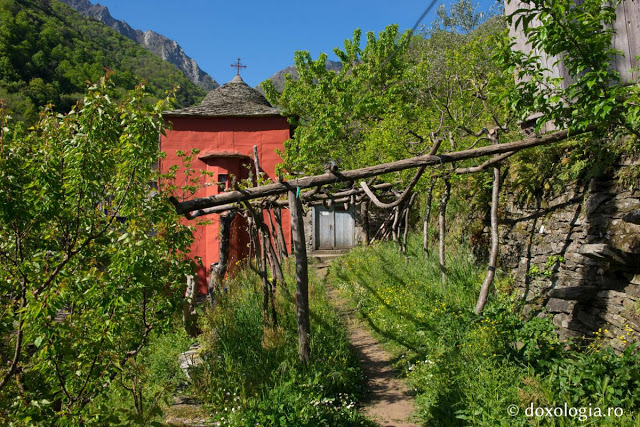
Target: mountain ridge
[[278, 78], [167, 49], [50, 52]]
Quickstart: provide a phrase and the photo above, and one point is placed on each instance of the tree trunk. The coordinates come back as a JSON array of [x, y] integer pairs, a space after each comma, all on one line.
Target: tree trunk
[[266, 286], [442, 223], [493, 255], [394, 226], [218, 269], [425, 224], [302, 276]]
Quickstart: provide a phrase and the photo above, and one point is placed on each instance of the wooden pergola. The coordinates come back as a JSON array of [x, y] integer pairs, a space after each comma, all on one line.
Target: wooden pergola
[[241, 199]]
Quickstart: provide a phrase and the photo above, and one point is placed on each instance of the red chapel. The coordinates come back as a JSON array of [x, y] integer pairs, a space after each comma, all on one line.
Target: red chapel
[[225, 127]]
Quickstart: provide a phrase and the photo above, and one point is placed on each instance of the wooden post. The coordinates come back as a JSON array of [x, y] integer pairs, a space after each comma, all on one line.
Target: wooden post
[[442, 223], [364, 217], [256, 163], [277, 215], [425, 224], [274, 235], [302, 276], [255, 242], [495, 237], [394, 226], [219, 269], [406, 225], [266, 287], [189, 313]]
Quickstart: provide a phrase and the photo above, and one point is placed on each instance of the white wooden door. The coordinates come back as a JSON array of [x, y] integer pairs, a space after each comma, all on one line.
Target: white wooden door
[[334, 228]]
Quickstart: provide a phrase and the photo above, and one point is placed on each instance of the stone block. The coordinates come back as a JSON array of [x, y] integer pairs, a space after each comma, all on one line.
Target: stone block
[[632, 290], [632, 217], [565, 334], [578, 293], [591, 321], [615, 320], [595, 200], [629, 304], [627, 204], [566, 215], [628, 242], [556, 305], [612, 297], [562, 320], [605, 252]]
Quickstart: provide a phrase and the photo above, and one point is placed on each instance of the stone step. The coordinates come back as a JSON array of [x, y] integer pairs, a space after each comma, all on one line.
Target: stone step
[[324, 256]]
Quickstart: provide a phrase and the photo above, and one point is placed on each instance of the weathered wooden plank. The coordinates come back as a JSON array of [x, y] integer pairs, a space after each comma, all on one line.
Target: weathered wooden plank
[[620, 41], [632, 27], [626, 40]]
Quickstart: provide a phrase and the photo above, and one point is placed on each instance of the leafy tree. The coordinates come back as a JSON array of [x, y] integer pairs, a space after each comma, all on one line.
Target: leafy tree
[[458, 17], [334, 111], [390, 96], [91, 259]]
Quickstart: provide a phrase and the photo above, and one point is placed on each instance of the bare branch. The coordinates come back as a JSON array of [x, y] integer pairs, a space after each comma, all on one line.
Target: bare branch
[[400, 199], [19, 336], [483, 166]]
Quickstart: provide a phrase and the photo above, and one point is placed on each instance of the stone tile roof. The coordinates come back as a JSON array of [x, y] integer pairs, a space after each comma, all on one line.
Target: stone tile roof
[[233, 99]]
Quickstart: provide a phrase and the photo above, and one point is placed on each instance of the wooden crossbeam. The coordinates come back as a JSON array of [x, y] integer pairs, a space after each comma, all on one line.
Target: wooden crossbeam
[[352, 175]]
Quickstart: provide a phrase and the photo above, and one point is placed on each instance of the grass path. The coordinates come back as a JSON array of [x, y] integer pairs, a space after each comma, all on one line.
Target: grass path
[[388, 402]]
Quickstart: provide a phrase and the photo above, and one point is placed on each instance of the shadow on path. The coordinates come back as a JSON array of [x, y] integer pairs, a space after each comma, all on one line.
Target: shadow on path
[[388, 402]]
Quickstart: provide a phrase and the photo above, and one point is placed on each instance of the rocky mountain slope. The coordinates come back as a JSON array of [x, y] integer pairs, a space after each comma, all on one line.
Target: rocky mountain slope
[[167, 49]]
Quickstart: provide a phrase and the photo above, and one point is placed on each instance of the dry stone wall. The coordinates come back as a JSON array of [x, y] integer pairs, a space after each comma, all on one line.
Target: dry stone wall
[[576, 258]]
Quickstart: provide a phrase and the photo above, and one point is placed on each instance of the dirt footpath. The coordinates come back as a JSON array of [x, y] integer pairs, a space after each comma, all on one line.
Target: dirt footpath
[[388, 402]]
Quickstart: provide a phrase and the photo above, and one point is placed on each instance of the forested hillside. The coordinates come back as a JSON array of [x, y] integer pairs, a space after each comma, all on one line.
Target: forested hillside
[[48, 53], [167, 49]]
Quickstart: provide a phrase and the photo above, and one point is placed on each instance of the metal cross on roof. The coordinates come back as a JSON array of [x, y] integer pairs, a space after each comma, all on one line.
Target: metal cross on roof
[[237, 66]]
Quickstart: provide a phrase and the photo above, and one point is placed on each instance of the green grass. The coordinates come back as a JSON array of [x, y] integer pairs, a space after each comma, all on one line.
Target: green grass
[[467, 369], [464, 369], [251, 374]]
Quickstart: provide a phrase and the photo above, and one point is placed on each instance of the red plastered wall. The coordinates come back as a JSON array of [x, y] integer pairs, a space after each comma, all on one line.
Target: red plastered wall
[[224, 136]]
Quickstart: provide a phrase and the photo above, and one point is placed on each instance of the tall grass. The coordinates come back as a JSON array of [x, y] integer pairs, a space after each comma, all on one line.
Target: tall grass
[[251, 374], [467, 369]]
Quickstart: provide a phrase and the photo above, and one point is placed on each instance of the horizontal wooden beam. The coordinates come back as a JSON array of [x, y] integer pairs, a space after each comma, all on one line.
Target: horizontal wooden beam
[[352, 175], [311, 199]]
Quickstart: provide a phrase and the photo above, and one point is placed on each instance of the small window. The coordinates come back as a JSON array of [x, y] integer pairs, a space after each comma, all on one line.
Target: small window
[[223, 182]]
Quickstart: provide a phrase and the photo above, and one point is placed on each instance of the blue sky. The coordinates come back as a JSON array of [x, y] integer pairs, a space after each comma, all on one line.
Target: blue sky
[[265, 34]]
